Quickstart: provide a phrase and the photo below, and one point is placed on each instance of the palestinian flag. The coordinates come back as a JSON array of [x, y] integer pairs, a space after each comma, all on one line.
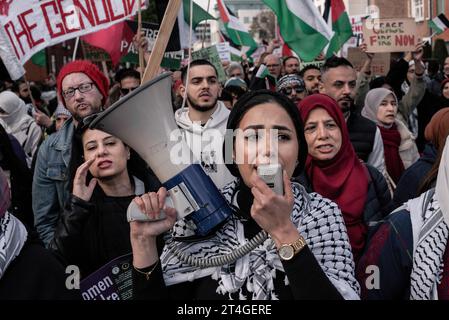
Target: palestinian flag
[[236, 30], [301, 26], [439, 24], [337, 18]]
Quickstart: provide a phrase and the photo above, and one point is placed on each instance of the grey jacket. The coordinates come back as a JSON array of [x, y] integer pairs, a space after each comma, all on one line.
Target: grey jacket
[[51, 180]]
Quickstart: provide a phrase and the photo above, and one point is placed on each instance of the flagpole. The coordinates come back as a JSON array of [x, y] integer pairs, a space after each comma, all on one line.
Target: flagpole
[[139, 31], [163, 36], [75, 49]]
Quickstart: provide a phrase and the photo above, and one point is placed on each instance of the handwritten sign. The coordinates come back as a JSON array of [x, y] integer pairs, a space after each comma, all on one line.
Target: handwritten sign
[[379, 66], [391, 35], [27, 29], [211, 54]]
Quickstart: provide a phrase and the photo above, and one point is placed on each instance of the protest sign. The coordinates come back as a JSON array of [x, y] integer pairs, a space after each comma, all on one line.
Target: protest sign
[[317, 63], [113, 281], [224, 51], [28, 29], [211, 54], [391, 35], [379, 66]]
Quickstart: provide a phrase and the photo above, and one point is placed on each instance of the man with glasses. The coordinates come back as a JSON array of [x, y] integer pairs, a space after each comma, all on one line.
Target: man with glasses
[[273, 64], [128, 79], [83, 90], [293, 87]]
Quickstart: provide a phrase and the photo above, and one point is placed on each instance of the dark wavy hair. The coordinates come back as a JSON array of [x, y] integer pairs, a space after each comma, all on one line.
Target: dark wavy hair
[[252, 99]]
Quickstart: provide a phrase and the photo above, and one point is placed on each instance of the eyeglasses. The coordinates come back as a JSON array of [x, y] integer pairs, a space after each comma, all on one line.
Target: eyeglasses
[[273, 65], [83, 88], [288, 90], [125, 91]]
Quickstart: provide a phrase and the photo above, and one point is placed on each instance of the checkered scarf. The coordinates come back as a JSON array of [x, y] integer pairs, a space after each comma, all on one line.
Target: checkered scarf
[[318, 220], [12, 238]]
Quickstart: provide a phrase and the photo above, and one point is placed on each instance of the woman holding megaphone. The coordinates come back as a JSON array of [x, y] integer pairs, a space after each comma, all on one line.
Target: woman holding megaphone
[[285, 245]]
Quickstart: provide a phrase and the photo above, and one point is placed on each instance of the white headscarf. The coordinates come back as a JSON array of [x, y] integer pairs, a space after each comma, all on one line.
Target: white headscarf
[[372, 103], [442, 187], [16, 112]]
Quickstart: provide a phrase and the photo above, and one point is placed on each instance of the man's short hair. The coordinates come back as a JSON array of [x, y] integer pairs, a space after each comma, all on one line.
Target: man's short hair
[[127, 73], [335, 62], [288, 58], [195, 63], [307, 68]]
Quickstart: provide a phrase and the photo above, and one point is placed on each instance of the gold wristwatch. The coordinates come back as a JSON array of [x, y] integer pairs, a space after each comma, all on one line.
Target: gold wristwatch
[[288, 251]]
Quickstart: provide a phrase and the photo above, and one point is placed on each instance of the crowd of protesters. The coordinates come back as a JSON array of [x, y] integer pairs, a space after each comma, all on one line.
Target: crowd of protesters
[[365, 163]]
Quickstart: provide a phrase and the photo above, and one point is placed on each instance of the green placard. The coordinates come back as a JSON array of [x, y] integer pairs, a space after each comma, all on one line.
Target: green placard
[[211, 54]]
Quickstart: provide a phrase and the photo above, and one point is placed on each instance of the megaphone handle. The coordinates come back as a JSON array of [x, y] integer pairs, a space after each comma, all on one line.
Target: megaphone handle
[[135, 214]]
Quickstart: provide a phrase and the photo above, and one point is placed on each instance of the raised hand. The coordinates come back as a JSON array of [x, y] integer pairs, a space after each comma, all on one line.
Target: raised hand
[[419, 51], [363, 47], [42, 119], [80, 189]]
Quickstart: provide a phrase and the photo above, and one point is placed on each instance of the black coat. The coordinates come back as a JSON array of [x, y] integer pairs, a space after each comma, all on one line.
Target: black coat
[[35, 274], [411, 179], [378, 200], [91, 234]]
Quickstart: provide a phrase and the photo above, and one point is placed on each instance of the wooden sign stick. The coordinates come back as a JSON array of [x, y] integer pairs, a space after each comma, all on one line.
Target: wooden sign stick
[[162, 40]]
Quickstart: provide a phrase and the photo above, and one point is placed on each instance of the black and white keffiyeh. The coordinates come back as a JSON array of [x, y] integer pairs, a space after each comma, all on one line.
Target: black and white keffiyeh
[[430, 234], [12, 238], [318, 220], [429, 215]]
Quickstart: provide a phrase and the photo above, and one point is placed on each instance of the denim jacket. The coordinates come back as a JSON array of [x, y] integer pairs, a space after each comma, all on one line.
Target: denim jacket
[[51, 180]]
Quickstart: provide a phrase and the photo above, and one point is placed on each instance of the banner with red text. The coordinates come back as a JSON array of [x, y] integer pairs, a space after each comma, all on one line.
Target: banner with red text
[[27, 29], [391, 35]]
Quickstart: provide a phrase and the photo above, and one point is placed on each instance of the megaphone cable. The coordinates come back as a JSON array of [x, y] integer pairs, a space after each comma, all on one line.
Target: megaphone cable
[[222, 260]]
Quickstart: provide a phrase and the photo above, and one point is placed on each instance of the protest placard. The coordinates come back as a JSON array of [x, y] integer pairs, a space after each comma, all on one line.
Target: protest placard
[[211, 54], [391, 35], [224, 51], [113, 281], [380, 64], [27, 29], [317, 63]]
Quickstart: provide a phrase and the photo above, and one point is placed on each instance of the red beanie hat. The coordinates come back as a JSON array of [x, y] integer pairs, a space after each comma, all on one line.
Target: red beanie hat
[[91, 70]]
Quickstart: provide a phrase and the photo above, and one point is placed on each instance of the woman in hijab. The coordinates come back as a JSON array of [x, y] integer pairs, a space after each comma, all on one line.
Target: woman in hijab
[[93, 229], [334, 171], [319, 265], [410, 249], [16, 121], [422, 175], [381, 106], [27, 270]]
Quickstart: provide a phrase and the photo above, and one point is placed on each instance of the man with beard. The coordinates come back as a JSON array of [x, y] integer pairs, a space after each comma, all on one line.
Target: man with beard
[[338, 80], [83, 89], [312, 77], [293, 87], [203, 122]]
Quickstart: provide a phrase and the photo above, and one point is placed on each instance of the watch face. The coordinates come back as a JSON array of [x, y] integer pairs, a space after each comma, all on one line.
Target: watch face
[[286, 252]]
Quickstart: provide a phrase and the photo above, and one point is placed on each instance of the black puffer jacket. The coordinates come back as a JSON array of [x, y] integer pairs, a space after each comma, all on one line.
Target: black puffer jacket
[[378, 200]]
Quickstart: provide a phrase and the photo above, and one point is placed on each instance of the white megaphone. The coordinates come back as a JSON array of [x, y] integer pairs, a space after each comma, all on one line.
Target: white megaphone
[[144, 120]]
